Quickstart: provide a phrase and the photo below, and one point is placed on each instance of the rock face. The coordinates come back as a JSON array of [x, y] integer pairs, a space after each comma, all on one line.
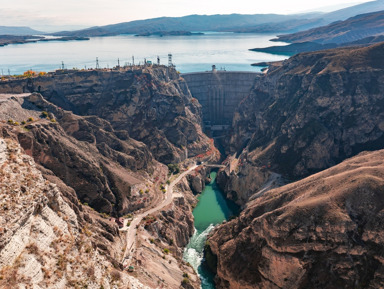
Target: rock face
[[102, 165], [324, 231], [308, 114], [152, 105], [48, 239]]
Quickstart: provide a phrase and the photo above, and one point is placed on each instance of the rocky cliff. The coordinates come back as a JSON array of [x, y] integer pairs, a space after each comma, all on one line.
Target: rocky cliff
[[152, 104], [305, 115], [105, 167], [324, 231], [47, 238]]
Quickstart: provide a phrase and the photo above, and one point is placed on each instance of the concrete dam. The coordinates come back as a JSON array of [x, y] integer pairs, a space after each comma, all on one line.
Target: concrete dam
[[219, 93]]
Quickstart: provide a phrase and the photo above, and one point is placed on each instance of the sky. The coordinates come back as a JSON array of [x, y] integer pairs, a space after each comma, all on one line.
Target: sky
[[71, 14]]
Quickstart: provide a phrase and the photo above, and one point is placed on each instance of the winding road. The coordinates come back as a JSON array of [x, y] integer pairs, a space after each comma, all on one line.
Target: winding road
[[132, 229]]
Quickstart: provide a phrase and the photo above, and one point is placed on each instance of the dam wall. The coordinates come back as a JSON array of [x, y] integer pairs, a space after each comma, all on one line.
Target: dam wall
[[219, 93]]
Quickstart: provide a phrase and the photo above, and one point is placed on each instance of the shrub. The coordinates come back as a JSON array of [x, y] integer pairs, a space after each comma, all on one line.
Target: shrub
[[174, 168], [10, 121], [23, 122], [44, 114], [166, 250], [53, 120], [185, 281], [30, 119], [115, 275]]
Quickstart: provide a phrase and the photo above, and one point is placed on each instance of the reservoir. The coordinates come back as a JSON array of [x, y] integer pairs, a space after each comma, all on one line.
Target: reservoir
[[189, 53], [211, 210]]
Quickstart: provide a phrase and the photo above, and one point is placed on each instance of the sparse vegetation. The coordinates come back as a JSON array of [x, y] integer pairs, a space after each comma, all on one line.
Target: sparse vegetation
[[173, 168]]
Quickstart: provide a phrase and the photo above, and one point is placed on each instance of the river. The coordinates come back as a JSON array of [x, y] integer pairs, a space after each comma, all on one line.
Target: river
[[211, 210], [190, 53]]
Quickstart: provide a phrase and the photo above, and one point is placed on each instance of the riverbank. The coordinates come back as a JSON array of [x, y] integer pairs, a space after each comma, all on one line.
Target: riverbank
[[211, 210]]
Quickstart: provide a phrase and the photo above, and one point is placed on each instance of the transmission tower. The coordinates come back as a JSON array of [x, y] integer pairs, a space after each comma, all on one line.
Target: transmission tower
[[62, 65], [158, 60], [97, 63], [133, 60], [170, 59]]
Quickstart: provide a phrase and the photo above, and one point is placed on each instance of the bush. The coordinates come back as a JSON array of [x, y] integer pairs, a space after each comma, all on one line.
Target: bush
[[166, 250], [174, 168], [115, 275], [30, 119], [44, 114], [10, 121], [185, 281], [23, 122]]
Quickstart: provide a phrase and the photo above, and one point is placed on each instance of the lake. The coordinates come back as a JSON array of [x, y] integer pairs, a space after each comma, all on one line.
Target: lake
[[190, 53]]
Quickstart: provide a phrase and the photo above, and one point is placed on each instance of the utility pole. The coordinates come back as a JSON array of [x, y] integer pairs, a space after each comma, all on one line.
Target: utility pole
[[62, 65], [9, 72], [158, 60], [97, 63], [118, 62], [133, 60]]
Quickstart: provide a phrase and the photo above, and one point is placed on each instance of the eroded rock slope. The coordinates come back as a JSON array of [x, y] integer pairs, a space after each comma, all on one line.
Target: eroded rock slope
[[324, 231], [47, 238], [307, 114], [152, 105]]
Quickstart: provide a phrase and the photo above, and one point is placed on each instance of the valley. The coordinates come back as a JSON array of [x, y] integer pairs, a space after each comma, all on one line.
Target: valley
[[139, 176]]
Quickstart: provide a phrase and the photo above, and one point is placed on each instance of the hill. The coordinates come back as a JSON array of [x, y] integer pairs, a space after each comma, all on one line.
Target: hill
[[17, 30], [352, 29], [186, 23]]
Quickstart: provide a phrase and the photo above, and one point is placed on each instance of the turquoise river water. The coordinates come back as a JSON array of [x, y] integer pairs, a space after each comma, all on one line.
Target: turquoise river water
[[211, 210]]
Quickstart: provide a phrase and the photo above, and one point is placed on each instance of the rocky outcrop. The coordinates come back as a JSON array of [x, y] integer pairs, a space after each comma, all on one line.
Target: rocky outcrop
[[321, 232], [308, 114], [163, 237], [198, 179], [102, 165], [48, 239], [152, 105]]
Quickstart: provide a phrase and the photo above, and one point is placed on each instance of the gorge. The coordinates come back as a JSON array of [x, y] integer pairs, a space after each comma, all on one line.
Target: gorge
[[104, 138]]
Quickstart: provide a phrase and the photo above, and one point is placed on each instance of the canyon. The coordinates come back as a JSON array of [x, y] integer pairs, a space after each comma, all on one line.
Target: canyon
[[102, 144]]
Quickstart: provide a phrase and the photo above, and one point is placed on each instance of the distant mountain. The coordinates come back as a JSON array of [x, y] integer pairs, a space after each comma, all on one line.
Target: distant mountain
[[352, 29], [313, 20], [232, 22], [18, 30], [343, 14], [257, 23]]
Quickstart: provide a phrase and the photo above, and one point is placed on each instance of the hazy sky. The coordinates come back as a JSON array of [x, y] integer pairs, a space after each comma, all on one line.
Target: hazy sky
[[44, 13]]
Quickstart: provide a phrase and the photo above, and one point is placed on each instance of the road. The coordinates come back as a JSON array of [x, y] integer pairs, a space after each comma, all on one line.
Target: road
[[132, 229]]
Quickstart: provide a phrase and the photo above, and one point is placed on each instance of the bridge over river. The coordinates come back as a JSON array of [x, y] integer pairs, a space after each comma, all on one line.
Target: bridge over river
[[219, 93]]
